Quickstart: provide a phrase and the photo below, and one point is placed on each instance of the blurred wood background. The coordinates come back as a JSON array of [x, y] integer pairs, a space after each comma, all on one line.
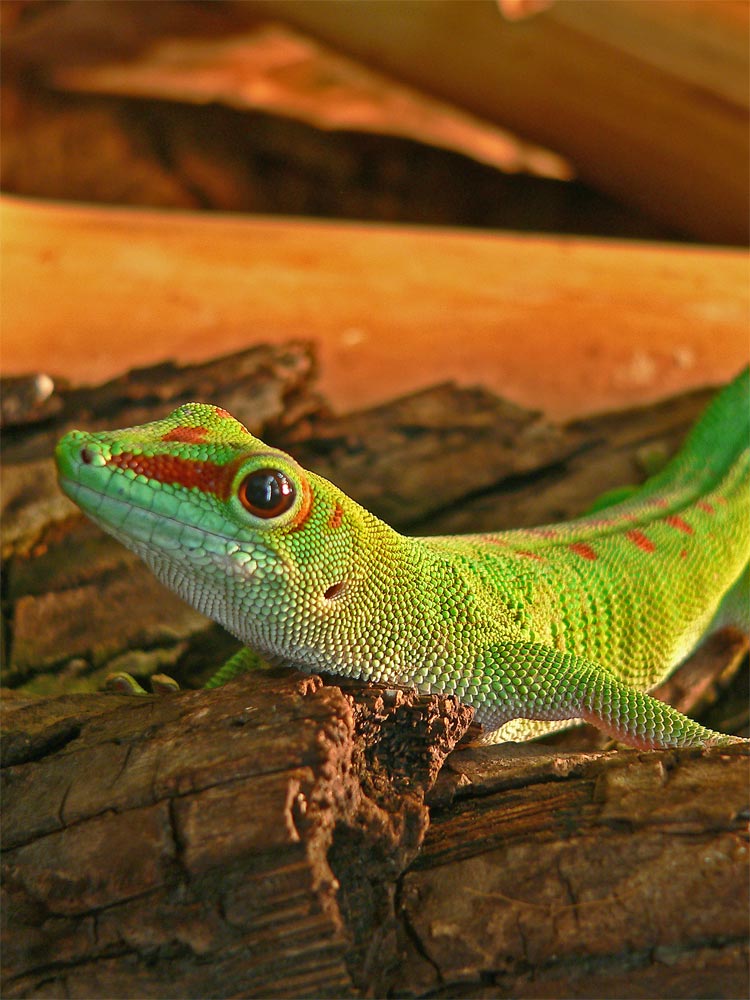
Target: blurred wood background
[[580, 121], [648, 100], [567, 326]]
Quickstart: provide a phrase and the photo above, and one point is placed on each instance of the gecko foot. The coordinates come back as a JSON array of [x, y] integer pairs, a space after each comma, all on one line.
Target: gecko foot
[[123, 683]]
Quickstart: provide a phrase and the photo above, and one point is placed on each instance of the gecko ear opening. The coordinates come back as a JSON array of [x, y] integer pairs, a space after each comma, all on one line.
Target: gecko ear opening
[[266, 493]]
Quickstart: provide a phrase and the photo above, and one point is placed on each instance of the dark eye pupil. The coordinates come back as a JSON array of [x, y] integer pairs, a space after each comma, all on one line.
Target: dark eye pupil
[[264, 490], [266, 493]]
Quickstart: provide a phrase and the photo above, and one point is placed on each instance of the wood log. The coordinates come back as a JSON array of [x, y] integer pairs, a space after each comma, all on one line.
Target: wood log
[[648, 100], [244, 844], [261, 840], [211, 113], [560, 875]]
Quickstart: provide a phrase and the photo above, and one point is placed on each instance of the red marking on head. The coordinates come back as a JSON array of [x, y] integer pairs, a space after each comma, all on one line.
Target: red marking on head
[[226, 415], [337, 517], [705, 506], [302, 515], [683, 554], [529, 555], [639, 539], [660, 502], [583, 550], [676, 522], [208, 477], [187, 435]]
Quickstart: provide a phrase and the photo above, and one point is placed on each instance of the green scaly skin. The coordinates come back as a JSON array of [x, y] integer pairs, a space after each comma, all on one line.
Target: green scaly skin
[[531, 627]]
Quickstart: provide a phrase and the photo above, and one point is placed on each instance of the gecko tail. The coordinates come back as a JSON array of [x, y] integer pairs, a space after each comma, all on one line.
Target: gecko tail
[[521, 730], [712, 446]]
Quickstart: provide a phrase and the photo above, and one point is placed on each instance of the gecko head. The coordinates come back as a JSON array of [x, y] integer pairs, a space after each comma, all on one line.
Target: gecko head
[[240, 530]]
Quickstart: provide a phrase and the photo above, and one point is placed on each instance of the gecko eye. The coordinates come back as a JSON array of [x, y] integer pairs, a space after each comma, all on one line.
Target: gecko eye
[[266, 493]]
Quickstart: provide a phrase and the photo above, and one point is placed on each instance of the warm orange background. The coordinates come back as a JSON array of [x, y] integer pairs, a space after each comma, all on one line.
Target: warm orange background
[[568, 325]]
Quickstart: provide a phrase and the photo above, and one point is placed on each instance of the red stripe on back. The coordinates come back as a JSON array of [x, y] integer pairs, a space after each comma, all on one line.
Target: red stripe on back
[[583, 550], [676, 522], [639, 539], [545, 532], [705, 507]]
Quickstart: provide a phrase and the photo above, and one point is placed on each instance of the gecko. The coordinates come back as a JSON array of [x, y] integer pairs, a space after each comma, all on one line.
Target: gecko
[[534, 628]]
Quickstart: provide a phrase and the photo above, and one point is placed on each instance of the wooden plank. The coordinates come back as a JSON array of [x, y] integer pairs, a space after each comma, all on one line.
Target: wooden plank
[[648, 100], [567, 325]]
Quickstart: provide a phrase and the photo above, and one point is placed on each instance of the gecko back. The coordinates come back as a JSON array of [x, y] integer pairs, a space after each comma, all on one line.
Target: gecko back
[[635, 586]]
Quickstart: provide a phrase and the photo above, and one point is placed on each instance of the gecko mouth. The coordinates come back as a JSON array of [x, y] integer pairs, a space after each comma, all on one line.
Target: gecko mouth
[[143, 531]]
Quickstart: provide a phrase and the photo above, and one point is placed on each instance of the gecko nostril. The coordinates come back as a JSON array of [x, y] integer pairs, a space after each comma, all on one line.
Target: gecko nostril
[[334, 590], [87, 456]]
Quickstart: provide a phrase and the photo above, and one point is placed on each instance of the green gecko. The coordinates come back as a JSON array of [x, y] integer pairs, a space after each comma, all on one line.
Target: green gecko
[[532, 628]]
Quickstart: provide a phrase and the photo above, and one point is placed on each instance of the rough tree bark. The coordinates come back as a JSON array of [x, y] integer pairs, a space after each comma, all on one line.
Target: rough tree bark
[[287, 837], [263, 840], [240, 845]]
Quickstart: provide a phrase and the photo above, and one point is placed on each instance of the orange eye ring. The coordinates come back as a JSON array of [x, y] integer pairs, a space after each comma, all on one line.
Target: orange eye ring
[[266, 493]]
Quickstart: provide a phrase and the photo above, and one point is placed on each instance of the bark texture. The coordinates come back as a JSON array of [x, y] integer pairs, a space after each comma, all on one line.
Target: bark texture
[[616, 874], [244, 844], [264, 840]]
